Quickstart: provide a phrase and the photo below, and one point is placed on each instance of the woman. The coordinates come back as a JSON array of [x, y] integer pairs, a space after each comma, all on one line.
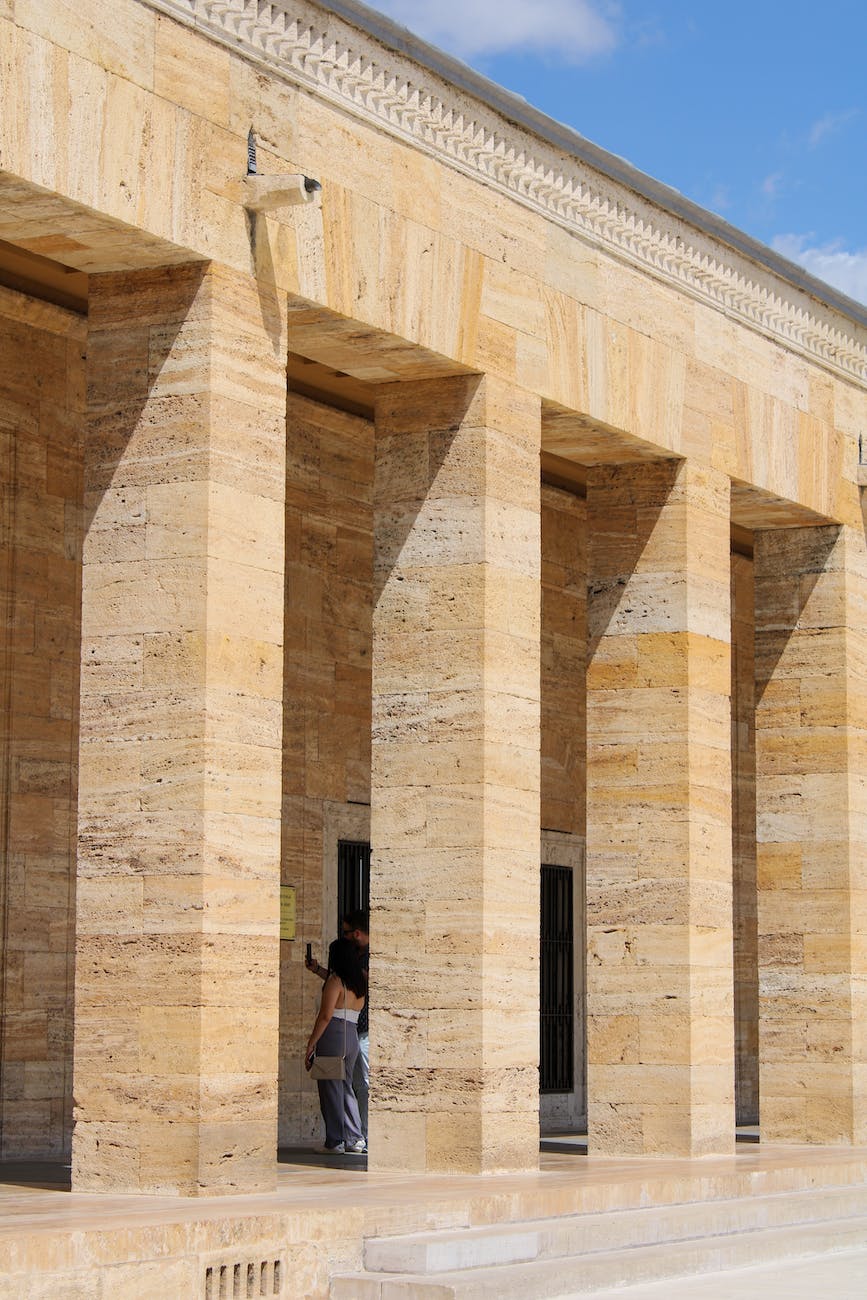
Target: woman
[[335, 1033]]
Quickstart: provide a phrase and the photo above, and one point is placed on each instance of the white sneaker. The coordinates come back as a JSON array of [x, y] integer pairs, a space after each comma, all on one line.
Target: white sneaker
[[358, 1147], [337, 1150]]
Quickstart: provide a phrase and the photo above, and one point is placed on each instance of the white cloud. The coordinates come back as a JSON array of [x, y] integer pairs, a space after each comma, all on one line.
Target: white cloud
[[771, 184], [827, 124], [832, 263], [572, 30]]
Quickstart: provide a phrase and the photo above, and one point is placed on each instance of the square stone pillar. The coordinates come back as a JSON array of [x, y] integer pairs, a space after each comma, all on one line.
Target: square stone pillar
[[180, 753], [660, 1047], [454, 974], [811, 801]]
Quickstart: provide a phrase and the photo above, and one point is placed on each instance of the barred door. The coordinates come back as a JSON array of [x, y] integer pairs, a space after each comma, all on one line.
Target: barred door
[[557, 991], [353, 877]]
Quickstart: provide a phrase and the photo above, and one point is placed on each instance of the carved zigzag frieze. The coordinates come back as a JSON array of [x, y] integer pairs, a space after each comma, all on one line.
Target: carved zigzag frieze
[[315, 48]]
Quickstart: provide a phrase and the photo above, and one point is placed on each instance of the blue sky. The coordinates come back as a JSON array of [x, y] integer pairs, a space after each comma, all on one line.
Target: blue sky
[[757, 110]]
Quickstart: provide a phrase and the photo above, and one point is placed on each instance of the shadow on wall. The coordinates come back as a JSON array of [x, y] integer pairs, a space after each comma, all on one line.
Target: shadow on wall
[[628, 532], [144, 335], [415, 448], [265, 276], [788, 564], [41, 426]]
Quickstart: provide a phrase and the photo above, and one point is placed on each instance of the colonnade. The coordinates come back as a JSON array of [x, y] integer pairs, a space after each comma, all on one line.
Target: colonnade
[[180, 759]]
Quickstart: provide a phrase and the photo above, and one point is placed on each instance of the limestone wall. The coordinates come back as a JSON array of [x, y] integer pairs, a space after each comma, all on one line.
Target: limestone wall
[[326, 704], [446, 239], [744, 841], [564, 655], [41, 400], [429, 252], [180, 749], [326, 713], [326, 733], [326, 710], [810, 852]]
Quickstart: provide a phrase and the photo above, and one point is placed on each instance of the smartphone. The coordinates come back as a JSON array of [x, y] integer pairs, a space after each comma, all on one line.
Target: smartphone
[[309, 953]]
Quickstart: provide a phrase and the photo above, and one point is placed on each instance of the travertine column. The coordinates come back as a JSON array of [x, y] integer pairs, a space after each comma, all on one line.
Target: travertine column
[[811, 743], [659, 847], [455, 785], [179, 816]]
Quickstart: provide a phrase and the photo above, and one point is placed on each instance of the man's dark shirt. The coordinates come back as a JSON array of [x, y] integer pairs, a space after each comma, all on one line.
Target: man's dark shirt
[[362, 1015]]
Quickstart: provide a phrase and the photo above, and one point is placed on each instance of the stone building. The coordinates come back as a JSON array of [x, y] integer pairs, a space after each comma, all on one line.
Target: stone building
[[490, 505]]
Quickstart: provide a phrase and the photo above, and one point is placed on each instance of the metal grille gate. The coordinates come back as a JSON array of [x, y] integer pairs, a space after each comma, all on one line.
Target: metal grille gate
[[353, 877], [557, 982]]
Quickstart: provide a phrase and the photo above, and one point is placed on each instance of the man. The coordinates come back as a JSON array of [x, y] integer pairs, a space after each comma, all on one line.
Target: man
[[356, 927]]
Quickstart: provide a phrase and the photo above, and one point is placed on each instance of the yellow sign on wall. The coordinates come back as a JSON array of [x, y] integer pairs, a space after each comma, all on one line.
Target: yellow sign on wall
[[287, 911]]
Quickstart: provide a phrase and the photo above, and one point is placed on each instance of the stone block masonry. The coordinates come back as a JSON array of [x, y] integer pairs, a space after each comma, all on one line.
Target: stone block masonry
[[659, 841], [180, 751], [455, 778]]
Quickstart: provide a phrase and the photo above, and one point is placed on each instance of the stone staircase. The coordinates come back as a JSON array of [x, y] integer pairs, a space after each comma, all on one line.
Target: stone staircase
[[579, 1254]]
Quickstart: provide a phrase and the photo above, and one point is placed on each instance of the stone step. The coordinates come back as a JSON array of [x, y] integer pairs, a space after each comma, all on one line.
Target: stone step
[[582, 1234], [579, 1275]]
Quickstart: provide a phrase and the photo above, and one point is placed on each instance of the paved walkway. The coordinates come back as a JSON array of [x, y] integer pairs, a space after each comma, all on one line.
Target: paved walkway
[[825, 1277], [34, 1195], [43, 1226]]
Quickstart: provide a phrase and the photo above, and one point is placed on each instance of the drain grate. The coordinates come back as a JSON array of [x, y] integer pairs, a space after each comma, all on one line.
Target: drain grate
[[243, 1280]]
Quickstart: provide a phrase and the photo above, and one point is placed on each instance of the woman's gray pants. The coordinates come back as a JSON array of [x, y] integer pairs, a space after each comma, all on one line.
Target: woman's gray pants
[[336, 1098]]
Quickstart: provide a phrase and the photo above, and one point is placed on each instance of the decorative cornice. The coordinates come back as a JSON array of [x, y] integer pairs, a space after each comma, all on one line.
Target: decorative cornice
[[392, 80]]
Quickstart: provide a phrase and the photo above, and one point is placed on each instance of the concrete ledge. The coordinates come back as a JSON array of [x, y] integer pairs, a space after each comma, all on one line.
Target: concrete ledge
[[91, 1247]]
